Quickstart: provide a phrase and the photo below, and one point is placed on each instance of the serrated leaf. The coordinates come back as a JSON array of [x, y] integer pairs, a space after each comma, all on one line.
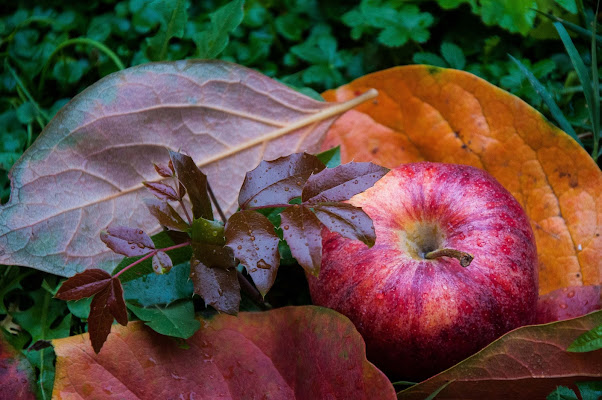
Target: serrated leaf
[[342, 182], [226, 116], [278, 181], [350, 221], [166, 215], [251, 237], [162, 191], [160, 289], [161, 263], [130, 242], [84, 284], [116, 303], [175, 320], [589, 341], [217, 286], [302, 231], [195, 183], [207, 231], [100, 319], [213, 274]]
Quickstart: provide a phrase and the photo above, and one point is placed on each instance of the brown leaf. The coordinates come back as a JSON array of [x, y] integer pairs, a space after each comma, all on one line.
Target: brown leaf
[[527, 363], [84, 284], [116, 303], [100, 318], [342, 182], [161, 263], [302, 231], [101, 146], [213, 274], [130, 242], [251, 237], [302, 353], [162, 191], [195, 182], [445, 115], [348, 220], [569, 302], [278, 181], [166, 215]]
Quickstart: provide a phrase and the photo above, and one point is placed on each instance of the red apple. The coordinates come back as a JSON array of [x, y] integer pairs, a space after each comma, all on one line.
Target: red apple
[[419, 310]]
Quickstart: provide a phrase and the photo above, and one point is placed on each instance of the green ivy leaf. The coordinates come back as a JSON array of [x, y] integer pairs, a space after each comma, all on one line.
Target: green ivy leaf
[[155, 289], [453, 55], [175, 320]]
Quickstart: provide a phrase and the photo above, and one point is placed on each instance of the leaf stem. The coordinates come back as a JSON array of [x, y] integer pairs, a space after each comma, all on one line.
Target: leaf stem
[[149, 255], [216, 204], [464, 258]]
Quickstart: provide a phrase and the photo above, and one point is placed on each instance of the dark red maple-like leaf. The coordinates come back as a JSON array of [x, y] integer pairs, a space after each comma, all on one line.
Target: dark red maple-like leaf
[[195, 183], [84, 284], [166, 215], [302, 231], [130, 242], [162, 191]]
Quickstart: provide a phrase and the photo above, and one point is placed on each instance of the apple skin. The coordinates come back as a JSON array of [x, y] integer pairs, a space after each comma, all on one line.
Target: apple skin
[[418, 316]]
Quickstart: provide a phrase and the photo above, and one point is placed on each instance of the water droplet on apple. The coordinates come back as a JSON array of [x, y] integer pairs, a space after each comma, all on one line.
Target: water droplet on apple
[[570, 294], [563, 306], [286, 227], [480, 243], [239, 247]]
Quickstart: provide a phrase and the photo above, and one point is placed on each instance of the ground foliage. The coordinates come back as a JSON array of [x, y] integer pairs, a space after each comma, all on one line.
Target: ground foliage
[[52, 50]]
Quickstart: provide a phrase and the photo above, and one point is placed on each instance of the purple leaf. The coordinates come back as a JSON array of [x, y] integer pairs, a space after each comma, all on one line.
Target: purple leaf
[[162, 263], [350, 221], [166, 215], [342, 182], [162, 191], [213, 274], [278, 181], [251, 237], [195, 183], [302, 231], [130, 242], [164, 171], [84, 284]]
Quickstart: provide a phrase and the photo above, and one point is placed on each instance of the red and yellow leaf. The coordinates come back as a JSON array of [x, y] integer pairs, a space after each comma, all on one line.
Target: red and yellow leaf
[[17, 378], [427, 113], [288, 353]]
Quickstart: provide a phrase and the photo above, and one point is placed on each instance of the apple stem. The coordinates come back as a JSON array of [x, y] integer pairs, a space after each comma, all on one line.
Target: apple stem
[[464, 258]]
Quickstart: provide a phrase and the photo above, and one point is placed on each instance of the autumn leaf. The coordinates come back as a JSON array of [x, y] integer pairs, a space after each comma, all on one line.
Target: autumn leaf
[[161, 190], [278, 181], [427, 113], [195, 183], [92, 158], [16, 374], [166, 215], [350, 221], [528, 363], [84, 284], [321, 356]]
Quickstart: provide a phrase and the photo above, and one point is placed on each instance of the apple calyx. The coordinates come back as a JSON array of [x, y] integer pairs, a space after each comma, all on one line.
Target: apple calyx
[[464, 258]]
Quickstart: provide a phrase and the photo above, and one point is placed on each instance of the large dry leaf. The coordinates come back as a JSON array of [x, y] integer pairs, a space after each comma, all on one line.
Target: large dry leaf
[[426, 113], [288, 353], [86, 169], [527, 363]]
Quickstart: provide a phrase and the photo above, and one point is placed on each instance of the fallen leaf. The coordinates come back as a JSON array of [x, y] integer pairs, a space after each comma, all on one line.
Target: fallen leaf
[[85, 171], [289, 353], [568, 302], [434, 114], [526, 363], [16, 374]]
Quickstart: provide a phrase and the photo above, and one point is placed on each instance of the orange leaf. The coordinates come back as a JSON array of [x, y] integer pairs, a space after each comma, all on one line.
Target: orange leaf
[[289, 353], [527, 363], [427, 113]]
